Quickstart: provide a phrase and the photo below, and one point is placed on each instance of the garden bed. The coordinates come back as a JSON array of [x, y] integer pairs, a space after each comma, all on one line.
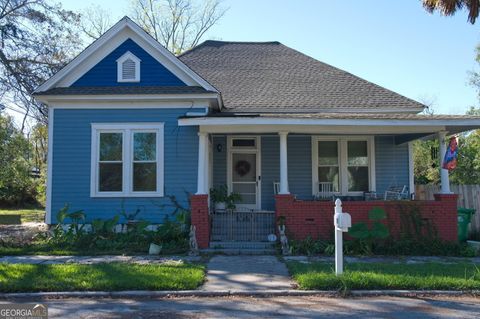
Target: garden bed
[[100, 277], [362, 276]]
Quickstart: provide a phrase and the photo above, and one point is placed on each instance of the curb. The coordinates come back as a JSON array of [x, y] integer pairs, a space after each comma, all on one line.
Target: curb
[[141, 294]]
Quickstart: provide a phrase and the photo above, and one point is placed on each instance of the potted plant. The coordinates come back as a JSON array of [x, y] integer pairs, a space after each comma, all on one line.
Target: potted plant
[[219, 195], [222, 200]]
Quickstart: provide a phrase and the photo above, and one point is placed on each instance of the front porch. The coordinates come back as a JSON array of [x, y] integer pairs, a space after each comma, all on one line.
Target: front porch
[[284, 172]]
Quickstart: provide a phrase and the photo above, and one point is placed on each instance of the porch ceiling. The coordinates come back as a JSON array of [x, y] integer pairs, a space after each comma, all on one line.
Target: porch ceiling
[[407, 126]]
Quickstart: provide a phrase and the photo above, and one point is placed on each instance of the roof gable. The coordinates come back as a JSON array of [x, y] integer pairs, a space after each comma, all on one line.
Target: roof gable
[[271, 77], [104, 73], [100, 49]]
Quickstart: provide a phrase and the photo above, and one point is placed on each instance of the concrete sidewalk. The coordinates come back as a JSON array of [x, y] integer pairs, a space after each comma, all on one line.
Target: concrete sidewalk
[[96, 259], [252, 273]]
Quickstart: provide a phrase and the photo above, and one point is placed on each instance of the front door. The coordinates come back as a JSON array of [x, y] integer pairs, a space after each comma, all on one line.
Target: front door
[[244, 170]]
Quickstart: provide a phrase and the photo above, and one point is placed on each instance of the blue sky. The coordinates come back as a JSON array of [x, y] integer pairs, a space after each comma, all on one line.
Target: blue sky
[[396, 44]]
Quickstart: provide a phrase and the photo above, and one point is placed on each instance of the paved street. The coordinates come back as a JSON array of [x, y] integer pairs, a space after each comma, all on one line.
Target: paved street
[[283, 307]]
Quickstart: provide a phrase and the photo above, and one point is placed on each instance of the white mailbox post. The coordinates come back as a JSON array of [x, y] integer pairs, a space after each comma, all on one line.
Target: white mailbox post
[[341, 221]]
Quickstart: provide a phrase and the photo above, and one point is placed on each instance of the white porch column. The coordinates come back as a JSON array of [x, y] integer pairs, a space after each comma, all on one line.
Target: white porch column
[[202, 163], [444, 181], [283, 163]]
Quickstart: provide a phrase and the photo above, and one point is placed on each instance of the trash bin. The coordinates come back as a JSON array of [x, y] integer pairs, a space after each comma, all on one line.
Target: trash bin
[[464, 217]]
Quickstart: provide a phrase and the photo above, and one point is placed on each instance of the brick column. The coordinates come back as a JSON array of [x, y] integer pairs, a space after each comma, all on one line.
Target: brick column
[[201, 219], [447, 217]]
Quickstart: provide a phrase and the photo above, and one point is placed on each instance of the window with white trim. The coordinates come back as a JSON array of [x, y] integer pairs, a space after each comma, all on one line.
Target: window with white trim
[[346, 163], [127, 160], [128, 68]]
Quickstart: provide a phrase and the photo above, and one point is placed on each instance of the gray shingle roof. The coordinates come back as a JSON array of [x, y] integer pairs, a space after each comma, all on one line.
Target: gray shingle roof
[[110, 90], [271, 77]]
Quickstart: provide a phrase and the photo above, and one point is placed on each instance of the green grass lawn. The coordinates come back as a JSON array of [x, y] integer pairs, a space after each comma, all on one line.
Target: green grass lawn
[[106, 277], [460, 276], [26, 215]]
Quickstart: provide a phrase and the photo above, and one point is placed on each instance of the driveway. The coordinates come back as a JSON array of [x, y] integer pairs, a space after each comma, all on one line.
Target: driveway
[[283, 307]]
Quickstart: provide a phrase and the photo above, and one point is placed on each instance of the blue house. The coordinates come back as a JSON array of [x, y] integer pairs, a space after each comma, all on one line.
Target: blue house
[[131, 125]]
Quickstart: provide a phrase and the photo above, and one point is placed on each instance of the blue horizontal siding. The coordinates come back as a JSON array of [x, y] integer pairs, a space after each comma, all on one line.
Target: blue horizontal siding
[[391, 165], [391, 162], [219, 144], [270, 169], [152, 72], [71, 162]]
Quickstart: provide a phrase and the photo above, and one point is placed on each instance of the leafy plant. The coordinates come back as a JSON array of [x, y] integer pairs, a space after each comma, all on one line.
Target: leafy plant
[[105, 227], [220, 195], [308, 246], [77, 219], [366, 235]]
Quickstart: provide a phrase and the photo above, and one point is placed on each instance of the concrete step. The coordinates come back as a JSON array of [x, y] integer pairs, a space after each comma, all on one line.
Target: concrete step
[[241, 245], [233, 251]]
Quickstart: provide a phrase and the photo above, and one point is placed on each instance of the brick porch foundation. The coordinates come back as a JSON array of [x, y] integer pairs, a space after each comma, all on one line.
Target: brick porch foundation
[[315, 218], [201, 219]]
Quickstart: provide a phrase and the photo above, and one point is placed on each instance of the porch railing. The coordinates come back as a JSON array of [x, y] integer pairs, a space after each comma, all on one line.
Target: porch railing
[[239, 225]]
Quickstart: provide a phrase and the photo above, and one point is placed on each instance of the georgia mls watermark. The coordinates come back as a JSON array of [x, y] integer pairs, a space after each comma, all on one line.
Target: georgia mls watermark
[[23, 311]]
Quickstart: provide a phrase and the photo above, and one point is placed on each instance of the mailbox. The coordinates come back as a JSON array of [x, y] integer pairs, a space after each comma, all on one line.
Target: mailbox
[[343, 221]]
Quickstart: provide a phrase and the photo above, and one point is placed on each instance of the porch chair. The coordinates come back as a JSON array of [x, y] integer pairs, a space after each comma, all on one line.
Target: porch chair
[[276, 188], [396, 193], [325, 191]]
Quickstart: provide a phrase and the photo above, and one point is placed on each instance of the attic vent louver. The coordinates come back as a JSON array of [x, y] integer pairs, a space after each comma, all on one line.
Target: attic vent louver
[[128, 68]]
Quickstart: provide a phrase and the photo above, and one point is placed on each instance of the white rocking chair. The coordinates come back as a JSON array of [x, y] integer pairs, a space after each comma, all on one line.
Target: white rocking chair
[[325, 191]]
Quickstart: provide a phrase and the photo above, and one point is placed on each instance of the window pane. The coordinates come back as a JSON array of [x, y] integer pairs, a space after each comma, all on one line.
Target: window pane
[[144, 146], [358, 179], [110, 177], [327, 153], [144, 177], [110, 146], [244, 142], [330, 175], [357, 153]]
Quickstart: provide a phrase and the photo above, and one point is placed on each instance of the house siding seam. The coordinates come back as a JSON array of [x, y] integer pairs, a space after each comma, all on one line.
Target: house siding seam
[[152, 72], [72, 158]]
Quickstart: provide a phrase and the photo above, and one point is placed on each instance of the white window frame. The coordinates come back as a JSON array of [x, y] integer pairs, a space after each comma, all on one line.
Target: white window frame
[[127, 130], [123, 58], [343, 162]]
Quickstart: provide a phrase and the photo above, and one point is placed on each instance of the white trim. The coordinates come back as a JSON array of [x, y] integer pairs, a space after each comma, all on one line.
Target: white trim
[[48, 198], [49, 99], [284, 189], [444, 178], [128, 56], [411, 168], [342, 162], [320, 129], [121, 31], [237, 121], [127, 130], [246, 150], [130, 105], [202, 162]]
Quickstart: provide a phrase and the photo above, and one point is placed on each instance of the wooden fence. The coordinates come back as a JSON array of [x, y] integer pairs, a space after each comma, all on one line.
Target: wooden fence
[[468, 197]]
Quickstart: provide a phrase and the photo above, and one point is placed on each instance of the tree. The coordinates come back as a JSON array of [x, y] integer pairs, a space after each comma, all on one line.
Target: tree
[[95, 21], [177, 24], [449, 7], [36, 40], [16, 184]]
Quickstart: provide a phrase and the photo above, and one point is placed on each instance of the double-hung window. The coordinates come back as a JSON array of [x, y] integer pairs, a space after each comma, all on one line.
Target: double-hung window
[[127, 160], [345, 164]]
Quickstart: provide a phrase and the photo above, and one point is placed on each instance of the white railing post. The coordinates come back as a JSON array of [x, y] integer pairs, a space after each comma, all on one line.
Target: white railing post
[[444, 180], [338, 239], [202, 163], [283, 163]]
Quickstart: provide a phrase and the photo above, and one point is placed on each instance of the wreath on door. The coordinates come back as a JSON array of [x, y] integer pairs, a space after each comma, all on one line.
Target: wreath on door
[[242, 167]]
